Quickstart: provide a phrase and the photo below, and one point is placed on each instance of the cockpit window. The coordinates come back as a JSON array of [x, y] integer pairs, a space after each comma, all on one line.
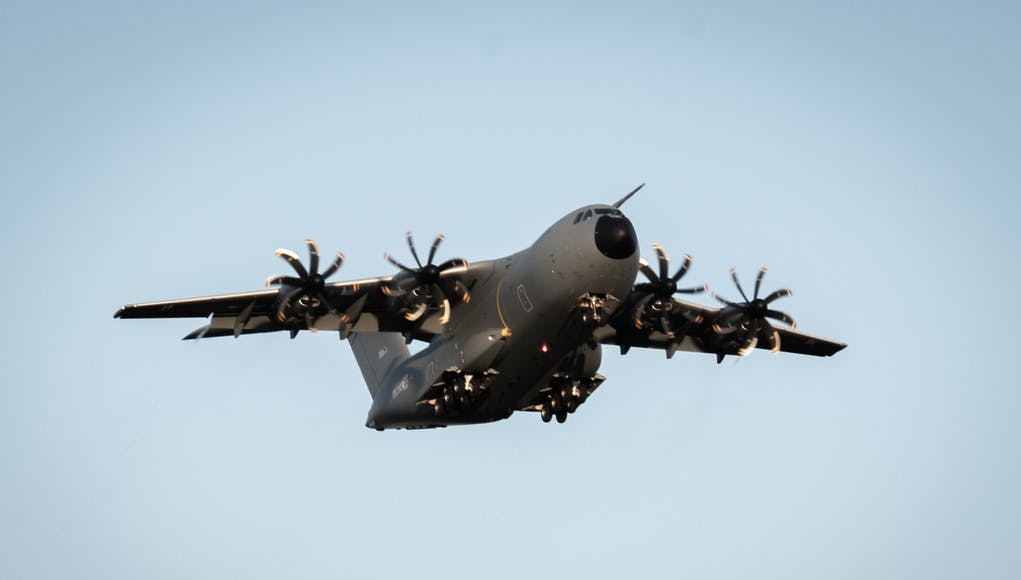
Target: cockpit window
[[588, 214]]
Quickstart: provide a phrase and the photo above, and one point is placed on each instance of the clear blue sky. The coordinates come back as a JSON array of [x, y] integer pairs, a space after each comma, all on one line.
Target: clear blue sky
[[867, 153]]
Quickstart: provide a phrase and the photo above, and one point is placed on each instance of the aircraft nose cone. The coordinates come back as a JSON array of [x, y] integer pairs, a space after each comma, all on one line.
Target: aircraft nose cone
[[615, 237]]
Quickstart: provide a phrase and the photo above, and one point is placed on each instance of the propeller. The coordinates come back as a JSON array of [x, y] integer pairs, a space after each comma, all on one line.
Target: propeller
[[426, 285], [751, 316], [656, 302], [306, 290]]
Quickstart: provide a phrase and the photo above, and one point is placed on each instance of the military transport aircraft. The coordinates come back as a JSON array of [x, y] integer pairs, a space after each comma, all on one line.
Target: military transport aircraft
[[519, 333]]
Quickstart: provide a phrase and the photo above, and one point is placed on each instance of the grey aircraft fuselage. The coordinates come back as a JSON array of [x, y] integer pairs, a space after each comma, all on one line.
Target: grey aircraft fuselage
[[522, 324]]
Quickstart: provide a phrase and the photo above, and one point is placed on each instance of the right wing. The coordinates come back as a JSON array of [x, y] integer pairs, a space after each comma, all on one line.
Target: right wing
[[368, 305]]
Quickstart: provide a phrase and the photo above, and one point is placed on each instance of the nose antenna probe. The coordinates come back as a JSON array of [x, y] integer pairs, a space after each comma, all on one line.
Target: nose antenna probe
[[628, 196]]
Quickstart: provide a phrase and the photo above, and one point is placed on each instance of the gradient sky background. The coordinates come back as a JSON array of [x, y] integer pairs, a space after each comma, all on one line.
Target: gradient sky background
[[867, 153]]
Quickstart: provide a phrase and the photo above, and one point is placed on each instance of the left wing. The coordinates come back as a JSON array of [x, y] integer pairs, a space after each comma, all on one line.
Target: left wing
[[651, 317], [692, 328]]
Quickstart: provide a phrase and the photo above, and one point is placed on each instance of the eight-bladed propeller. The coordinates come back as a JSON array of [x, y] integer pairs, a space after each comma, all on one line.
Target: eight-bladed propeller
[[426, 285], [656, 302], [751, 316], [305, 290]]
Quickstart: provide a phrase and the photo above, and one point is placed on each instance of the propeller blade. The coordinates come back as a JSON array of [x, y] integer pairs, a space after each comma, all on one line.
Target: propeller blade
[[664, 321], [452, 263], [696, 290], [777, 315], [724, 300], [446, 289], [778, 294], [416, 326], [649, 273], [723, 329], [334, 266], [770, 336], [466, 296], [390, 259], [293, 260], [414, 253], [750, 347], [454, 290], [683, 269], [693, 317], [639, 310], [445, 317], [416, 313], [401, 283], [733, 274], [285, 280], [436, 244], [758, 282], [664, 262], [313, 256], [436, 299], [282, 309]]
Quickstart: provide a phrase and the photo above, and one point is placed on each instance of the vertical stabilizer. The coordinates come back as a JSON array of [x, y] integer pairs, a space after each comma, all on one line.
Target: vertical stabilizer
[[377, 354]]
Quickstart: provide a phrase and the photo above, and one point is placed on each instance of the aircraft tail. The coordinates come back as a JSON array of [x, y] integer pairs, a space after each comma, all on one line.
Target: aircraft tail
[[377, 354]]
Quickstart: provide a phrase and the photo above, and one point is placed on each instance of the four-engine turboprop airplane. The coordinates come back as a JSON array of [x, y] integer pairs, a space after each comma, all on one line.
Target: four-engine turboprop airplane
[[519, 333]]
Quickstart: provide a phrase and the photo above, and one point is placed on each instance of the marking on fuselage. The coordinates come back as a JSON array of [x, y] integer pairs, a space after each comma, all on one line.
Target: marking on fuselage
[[401, 387], [523, 298], [499, 311]]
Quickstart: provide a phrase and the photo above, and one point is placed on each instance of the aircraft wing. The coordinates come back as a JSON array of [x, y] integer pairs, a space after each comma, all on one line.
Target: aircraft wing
[[368, 305], [693, 328]]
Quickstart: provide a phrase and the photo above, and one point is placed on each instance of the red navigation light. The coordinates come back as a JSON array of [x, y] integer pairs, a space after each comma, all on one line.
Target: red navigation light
[[544, 347]]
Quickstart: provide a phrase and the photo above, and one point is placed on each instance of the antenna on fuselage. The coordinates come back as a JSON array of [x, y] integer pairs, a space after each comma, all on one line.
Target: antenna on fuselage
[[628, 196]]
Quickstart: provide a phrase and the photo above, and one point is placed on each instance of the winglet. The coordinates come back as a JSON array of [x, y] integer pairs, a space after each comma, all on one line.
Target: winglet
[[628, 196]]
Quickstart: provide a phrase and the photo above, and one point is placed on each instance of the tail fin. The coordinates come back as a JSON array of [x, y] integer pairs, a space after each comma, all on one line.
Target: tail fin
[[377, 354]]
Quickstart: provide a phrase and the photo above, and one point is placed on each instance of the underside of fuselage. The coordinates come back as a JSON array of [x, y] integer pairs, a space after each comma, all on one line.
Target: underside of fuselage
[[525, 340]]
